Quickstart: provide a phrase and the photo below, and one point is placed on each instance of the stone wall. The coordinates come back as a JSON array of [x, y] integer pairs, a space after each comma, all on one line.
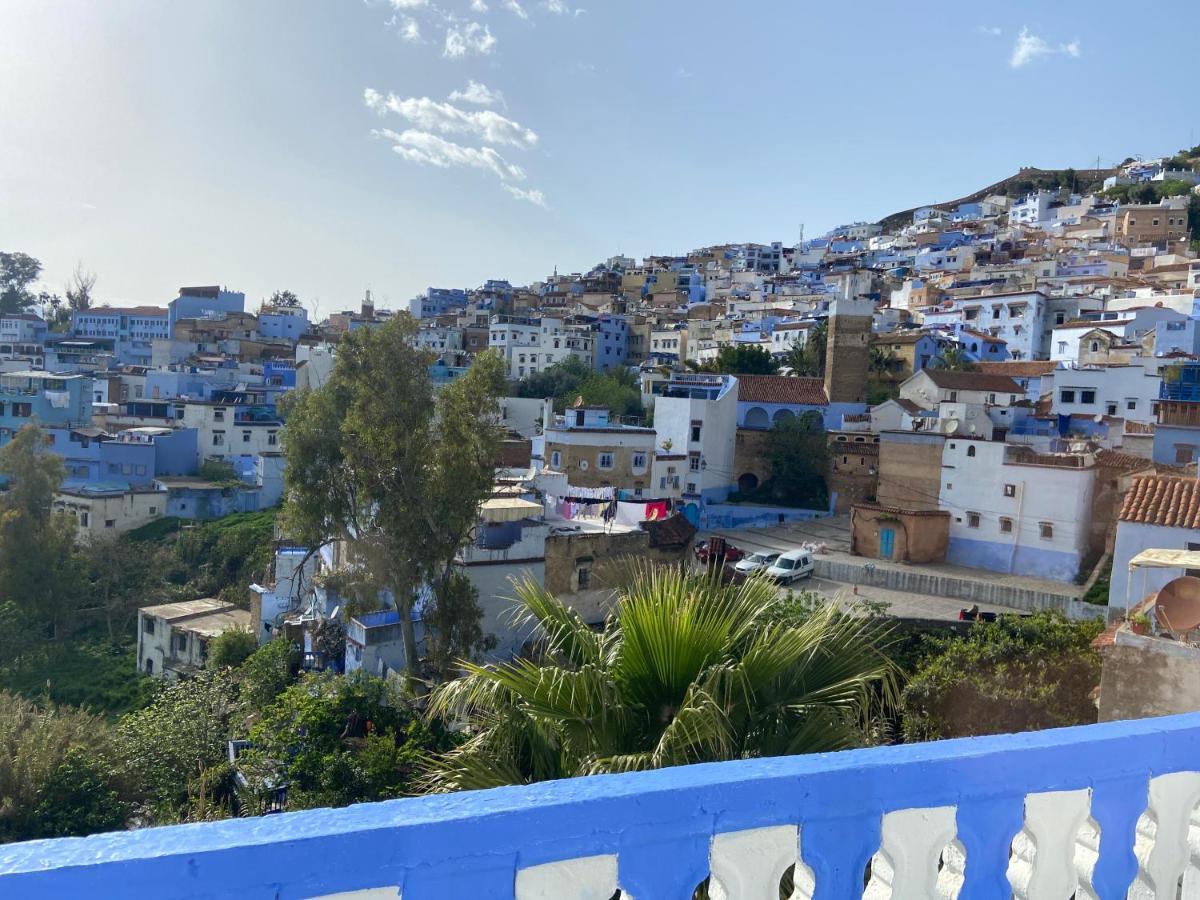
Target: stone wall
[[918, 537], [1147, 676]]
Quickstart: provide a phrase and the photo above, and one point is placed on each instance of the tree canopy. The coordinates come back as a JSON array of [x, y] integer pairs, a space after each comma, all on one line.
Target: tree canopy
[[572, 378], [743, 359], [798, 450], [377, 460], [18, 273]]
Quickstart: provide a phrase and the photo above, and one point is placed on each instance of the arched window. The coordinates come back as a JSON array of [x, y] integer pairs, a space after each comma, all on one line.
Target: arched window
[[970, 451]]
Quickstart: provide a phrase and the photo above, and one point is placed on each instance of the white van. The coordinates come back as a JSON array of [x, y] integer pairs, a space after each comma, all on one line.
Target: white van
[[790, 566]]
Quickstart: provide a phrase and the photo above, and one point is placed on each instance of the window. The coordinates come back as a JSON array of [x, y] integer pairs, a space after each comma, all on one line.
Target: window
[[272, 438], [1087, 396], [149, 667], [218, 438], [1062, 346], [182, 643], [556, 459], [148, 625], [245, 437], [995, 312], [22, 410], [972, 520], [691, 487], [1183, 454], [1047, 530], [1066, 396], [1095, 346], [585, 578], [154, 510], [605, 461], [1005, 525], [695, 432], [218, 415], [971, 451], [83, 520], [639, 460], [949, 486], [1110, 408], [109, 523], [1130, 404], [694, 464], [1059, 318], [991, 398]]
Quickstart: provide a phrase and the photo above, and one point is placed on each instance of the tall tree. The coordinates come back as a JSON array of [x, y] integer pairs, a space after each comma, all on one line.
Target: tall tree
[[39, 568], [686, 670], [376, 460], [953, 359], [808, 359], [18, 273], [79, 289], [798, 449]]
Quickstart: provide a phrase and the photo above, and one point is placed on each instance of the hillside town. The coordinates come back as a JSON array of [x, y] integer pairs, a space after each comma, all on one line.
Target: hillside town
[[978, 415]]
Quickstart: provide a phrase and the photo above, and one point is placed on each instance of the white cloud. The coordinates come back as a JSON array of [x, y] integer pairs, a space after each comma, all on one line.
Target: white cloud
[[469, 38], [479, 94], [430, 115], [990, 30], [537, 198], [1030, 47], [514, 7], [430, 150], [560, 8], [479, 6], [410, 30], [408, 4]]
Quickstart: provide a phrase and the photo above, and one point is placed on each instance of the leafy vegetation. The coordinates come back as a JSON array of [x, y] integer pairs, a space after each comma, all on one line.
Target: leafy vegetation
[[1014, 674], [742, 359], [686, 670], [572, 379]]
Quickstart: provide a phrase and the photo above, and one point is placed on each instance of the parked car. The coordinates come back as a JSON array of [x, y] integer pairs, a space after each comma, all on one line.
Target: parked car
[[972, 614], [717, 551], [791, 566], [755, 562]]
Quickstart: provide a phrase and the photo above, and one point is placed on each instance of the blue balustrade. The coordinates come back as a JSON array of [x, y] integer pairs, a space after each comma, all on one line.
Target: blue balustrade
[[1085, 811]]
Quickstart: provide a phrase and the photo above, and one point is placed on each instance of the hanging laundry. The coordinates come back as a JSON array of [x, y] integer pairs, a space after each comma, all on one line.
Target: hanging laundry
[[656, 510]]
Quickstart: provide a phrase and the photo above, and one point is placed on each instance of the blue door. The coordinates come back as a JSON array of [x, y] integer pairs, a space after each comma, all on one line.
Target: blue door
[[887, 542]]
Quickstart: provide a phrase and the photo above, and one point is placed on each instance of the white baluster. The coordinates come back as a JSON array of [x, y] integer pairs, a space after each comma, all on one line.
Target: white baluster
[[749, 864], [911, 844], [1087, 854], [954, 870], [1161, 847], [381, 893], [1191, 877], [586, 878], [1043, 859]]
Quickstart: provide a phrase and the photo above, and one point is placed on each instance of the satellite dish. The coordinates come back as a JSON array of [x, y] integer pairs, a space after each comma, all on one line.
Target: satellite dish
[[578, 401], [971, 428], [1097, 418], [951, 426], [1178, 604]]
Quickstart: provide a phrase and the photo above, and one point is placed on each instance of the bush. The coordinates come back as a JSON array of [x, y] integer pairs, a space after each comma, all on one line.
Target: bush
[[55, 772], [1014, 674], [231, 649]]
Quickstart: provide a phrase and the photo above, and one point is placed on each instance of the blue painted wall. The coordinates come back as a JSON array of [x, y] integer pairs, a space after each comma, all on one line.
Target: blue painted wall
[[998, 557]]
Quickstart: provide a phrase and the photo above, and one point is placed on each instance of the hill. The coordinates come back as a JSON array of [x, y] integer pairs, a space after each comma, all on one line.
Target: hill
[[1026, 180]]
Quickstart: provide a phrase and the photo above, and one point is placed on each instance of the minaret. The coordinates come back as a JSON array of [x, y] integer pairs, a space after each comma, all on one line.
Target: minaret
[[848, 350]]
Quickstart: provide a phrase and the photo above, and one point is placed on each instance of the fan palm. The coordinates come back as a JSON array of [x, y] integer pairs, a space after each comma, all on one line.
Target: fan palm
[[685, 670]]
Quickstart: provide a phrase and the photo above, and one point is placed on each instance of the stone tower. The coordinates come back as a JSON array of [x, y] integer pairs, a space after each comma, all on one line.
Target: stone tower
[[848, 350]]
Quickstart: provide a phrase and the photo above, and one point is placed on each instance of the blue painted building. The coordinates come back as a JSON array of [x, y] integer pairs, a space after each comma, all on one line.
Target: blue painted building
[[43, 398], [203, 303], [1177, 432], [131, 329], [283, 322], [438, 302], [979, 346]]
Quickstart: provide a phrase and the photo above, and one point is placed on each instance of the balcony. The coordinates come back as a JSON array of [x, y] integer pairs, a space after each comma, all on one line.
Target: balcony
[[1087, 812]]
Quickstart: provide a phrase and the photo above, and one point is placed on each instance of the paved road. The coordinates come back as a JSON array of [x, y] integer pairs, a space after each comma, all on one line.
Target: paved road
[[834, 533]]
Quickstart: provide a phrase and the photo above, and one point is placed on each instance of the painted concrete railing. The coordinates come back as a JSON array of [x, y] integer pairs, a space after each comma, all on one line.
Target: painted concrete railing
[[1104, 811]]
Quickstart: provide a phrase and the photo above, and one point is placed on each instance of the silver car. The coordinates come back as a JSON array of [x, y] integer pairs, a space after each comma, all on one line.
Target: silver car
[[755, 562]]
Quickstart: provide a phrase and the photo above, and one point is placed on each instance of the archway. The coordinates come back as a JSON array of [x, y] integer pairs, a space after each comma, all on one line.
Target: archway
[[747, 483], [757, 417]]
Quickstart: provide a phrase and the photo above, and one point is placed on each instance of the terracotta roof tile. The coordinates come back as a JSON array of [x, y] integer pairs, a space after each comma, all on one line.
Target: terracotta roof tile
[[973, 381], [1163, 500], [782, 389], [1115, 459]]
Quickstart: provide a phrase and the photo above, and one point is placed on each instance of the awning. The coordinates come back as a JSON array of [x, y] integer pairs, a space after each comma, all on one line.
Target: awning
[[1166, 559], [509, 510]]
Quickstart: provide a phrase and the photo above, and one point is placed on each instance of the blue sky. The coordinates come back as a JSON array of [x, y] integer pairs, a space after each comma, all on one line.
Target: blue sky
[[233, 141]]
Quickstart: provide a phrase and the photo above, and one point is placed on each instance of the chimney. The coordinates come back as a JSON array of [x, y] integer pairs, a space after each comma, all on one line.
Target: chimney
[[547, 414]]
